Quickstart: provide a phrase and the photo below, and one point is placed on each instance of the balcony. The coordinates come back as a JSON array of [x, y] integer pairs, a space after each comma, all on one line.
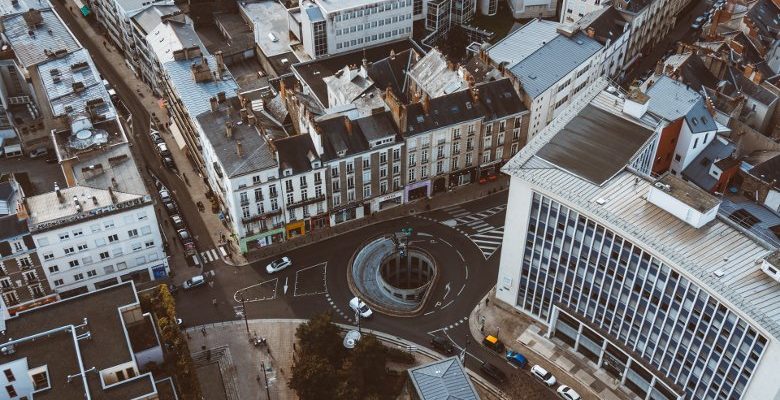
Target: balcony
[[306, 202], [260, 217]]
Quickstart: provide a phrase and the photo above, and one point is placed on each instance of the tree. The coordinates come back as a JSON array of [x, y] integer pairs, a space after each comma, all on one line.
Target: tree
[[319, 336], [522, 386], [314, 378]]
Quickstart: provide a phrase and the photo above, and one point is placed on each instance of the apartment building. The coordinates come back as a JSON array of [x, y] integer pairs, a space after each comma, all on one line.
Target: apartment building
[[646, 277], [22, 279], [94, 346], [329, 28], [531, 57], [459, 138], [34, 34], [364, 157], [651, 21]]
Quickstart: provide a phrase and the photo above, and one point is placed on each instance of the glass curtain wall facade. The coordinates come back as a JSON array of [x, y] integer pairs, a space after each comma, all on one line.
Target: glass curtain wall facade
[[583, 278]]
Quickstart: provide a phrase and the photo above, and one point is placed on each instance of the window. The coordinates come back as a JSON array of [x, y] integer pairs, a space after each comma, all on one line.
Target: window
[[73, 263], [78, 277], [104, 255], [113, 238], [54, 269]]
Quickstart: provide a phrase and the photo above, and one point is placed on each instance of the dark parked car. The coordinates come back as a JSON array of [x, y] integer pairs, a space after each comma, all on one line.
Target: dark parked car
[[493, 372], [442, 344]]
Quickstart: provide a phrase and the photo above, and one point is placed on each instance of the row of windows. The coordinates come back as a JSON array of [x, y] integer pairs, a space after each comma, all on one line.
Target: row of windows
[[664, 318]]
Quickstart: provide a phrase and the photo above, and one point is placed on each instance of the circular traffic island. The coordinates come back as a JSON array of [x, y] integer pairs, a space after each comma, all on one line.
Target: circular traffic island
[[391, 277]]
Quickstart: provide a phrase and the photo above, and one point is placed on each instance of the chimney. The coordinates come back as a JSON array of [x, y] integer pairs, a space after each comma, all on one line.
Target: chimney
[[348, 125], [228, 129], [239, 149], [659, 67], [591, 32], [474, 95], [57, 190], [220, 64], [757, 77], [214, 104], [748, 72], [426, 104]]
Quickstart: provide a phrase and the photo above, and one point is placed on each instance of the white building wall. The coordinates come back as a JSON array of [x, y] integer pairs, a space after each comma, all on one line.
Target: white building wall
[[137, 246], [518, 211]]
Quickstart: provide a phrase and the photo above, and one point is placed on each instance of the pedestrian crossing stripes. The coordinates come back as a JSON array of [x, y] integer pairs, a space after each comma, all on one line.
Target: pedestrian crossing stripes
[[488, 241], [210, 255]]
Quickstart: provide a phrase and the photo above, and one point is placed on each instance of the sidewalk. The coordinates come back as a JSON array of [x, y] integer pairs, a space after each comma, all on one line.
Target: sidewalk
[[457, 196], [229, 367], [526, 336]]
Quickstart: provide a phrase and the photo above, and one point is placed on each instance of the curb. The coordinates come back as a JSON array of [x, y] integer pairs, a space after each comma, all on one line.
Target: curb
[[413, 211]]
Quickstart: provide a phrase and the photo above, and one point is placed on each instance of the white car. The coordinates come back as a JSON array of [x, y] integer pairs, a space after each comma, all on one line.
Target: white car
[[567, 393], [359, 306], [543, 375], [278, 265]]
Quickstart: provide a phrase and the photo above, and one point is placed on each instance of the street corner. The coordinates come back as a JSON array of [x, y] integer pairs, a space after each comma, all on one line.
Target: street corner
[[263, 291], [311, 281]]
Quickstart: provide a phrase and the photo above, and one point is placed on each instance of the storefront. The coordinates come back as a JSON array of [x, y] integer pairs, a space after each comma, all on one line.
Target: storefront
[[387, 201], [262, 239], [346, 213], [418, 190], [463, 177], [295, 228]]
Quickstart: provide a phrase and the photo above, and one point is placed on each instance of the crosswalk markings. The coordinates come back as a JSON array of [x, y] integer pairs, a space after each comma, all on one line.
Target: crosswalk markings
[[488, 241]]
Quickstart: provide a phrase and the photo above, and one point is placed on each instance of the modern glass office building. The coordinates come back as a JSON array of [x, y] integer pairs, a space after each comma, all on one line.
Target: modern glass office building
[[638, 274]]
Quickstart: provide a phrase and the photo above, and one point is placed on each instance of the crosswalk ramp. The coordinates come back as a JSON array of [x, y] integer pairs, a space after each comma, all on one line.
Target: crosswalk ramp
[[488, 241], [210, 255]]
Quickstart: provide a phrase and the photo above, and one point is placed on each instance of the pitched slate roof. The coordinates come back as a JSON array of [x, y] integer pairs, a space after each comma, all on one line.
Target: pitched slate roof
[[496, 99], [442, 380], [554, 60]]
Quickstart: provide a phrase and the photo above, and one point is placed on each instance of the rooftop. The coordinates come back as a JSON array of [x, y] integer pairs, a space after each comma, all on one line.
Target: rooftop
[[698, 171], [48, 209], [698, 253], [148, 19], [672, 99], [495, 99], [311, 73], [255, 154], [296, 152], [73, 86], [342, 135], [269, 19], [552, 61], [36, 41], [195, 95], [442, 380], [64, 355], [596, 144], [435, 75], [521, 43]]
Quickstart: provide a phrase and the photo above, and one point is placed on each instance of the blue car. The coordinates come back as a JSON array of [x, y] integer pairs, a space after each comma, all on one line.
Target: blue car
[[516, 358]]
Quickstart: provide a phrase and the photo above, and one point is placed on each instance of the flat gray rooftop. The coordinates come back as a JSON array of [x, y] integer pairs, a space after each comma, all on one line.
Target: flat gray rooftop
[[595, 145]]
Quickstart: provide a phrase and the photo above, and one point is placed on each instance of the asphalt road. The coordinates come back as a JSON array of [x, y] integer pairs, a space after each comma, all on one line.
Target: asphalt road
[[145, 154]]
